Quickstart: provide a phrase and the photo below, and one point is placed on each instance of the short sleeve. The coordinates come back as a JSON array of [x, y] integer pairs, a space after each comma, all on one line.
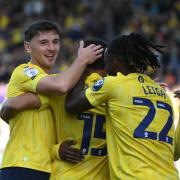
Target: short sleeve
[[98, 93], [45, 101], [32, 76], [24, 78], [55, 152], [27, 77]]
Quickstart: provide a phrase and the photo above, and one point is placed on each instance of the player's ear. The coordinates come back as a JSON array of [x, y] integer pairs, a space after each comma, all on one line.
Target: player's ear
[[27, 47]]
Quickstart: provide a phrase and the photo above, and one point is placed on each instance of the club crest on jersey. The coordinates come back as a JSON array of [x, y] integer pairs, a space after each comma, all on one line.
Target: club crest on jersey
[[31, 72], [98, 85], [140, 79]]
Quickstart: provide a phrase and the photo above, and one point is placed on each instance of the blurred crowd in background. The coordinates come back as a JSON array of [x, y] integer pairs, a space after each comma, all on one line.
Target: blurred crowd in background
[[159, 20]]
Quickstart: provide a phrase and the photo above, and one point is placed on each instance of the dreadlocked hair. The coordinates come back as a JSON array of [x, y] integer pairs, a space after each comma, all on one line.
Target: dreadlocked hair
[[136, 51]]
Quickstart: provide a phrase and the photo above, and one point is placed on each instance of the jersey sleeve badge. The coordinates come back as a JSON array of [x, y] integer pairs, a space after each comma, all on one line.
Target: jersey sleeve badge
[[98, 85], [31, 72]]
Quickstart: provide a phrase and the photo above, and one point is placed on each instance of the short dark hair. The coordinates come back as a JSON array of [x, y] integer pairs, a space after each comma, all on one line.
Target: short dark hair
[[135, 51], [98, 64], [38, 26]]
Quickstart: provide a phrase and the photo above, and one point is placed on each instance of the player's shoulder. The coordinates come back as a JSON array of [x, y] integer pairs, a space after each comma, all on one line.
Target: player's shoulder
[[26, 70], [27, 66], [20, 67], [18, 71], [111, 80], [108, 80], [91, 79], [104, 82]]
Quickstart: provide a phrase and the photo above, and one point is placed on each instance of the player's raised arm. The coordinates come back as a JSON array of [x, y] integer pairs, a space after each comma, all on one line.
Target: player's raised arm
[[14, 105], [64, 81]]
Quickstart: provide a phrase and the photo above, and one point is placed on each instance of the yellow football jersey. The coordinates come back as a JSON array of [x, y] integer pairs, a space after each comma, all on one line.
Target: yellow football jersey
[[32, 132], [139, 127], [88, 129], [177, 141]]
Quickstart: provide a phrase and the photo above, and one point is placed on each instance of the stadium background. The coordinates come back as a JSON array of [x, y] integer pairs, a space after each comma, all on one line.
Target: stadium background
[[159, 20]]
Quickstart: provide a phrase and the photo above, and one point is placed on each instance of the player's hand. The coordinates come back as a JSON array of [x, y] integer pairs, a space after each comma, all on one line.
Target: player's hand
[[6, 112], [69, 153], [177, 94], [162, 84], [90, 53]]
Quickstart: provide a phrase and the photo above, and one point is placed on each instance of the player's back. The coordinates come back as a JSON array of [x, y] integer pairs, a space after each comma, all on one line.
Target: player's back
[[88, 129], [140, 129]]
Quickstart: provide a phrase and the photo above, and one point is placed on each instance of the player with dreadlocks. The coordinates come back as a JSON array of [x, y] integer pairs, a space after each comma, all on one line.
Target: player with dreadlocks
[[139, 127]]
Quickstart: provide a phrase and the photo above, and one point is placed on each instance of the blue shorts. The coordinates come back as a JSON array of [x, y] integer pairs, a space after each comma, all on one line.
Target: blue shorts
[[20, 173]]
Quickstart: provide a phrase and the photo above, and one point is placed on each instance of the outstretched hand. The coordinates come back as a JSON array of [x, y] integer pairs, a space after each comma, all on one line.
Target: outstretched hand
[[90, 53], [162, 84], [177, 94], [69, 153]]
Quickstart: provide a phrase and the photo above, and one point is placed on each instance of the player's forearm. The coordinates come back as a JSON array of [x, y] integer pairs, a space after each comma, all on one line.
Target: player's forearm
[[23, 102], [73, 74], [76, 101], [7, 111], [62, 83]]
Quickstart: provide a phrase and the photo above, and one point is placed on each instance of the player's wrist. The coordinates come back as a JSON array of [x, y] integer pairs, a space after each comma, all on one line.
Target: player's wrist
[[81, 60]]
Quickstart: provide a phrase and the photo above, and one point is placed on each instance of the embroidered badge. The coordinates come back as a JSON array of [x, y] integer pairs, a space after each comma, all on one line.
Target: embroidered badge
[[98, 85], [140, 79], [31, 72]]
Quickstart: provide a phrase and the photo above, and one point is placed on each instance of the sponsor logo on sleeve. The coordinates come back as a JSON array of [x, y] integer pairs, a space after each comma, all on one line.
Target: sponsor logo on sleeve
[[98, 85], [31, 72]]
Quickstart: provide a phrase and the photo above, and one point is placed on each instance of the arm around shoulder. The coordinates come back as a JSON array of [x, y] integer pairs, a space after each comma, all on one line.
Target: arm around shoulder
[[22, 102]]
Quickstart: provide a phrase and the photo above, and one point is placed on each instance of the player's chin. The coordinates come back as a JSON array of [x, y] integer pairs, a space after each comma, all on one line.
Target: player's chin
[[49, 65], [50, 62]]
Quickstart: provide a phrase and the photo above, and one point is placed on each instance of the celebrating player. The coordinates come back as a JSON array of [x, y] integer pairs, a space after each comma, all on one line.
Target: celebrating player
[[139, 126], [32, 134]]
